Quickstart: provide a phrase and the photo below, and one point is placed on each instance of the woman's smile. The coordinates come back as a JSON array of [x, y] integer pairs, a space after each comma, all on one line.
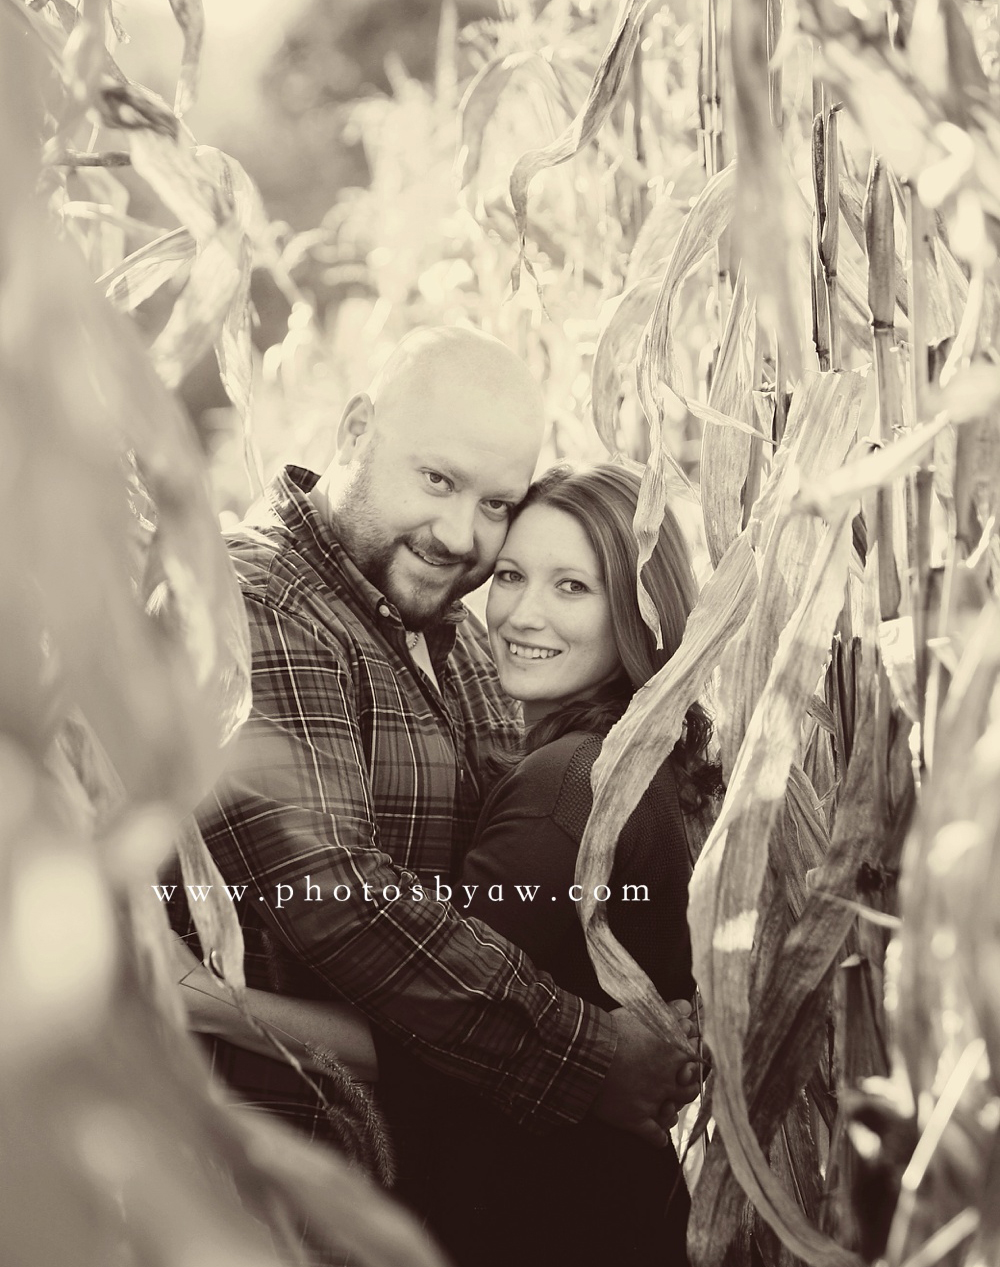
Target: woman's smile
[[527, 651]]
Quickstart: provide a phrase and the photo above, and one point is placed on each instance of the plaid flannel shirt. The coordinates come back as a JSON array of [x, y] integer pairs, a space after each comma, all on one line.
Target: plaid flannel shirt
[[352, 770]]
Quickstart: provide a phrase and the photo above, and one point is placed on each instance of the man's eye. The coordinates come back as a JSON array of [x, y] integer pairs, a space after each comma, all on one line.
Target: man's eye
[[496, 506], [437, 480]]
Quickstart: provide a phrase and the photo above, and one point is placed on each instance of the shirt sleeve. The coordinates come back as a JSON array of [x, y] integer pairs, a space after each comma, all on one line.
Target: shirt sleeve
[[295, 808]]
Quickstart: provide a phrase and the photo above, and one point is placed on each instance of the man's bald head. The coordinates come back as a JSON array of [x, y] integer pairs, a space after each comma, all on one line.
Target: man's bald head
[[442, 360], [429, 462]]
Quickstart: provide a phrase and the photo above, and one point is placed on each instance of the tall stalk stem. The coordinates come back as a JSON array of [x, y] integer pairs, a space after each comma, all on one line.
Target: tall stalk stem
[[710, 110], [920, 491], [880, 238]]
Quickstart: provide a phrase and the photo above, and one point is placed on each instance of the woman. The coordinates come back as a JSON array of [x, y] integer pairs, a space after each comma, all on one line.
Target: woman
[[570, 643]]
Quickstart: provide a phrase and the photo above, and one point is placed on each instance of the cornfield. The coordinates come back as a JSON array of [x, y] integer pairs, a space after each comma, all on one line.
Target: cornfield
[[751, 244]]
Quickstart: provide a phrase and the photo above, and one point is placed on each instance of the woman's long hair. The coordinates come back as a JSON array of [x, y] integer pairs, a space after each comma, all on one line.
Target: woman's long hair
[[603, 499]]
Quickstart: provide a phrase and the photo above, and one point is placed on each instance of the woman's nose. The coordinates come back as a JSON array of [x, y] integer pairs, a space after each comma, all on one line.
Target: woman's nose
[[527, 612]]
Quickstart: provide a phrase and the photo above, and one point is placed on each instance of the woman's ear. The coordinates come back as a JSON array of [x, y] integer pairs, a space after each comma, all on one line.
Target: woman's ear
[[355, 424]]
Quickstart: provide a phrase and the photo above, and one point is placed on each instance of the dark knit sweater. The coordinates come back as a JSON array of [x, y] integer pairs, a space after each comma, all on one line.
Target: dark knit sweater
[[529, 834], [589, 1194]]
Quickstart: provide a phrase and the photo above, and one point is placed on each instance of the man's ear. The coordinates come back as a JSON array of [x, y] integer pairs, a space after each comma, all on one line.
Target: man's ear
[[355, 424]]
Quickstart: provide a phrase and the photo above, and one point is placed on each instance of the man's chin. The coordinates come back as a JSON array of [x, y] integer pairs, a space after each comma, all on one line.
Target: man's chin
[[420, 607]]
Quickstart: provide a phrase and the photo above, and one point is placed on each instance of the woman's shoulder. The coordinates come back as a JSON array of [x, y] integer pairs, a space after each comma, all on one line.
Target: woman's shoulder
[[570, 756], [539, 780]]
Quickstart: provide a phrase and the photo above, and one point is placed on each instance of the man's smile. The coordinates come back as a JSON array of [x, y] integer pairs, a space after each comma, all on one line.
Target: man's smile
[[431, 562]]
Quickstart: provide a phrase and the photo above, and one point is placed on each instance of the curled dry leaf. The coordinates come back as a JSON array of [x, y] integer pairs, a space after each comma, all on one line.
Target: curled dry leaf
[[786, 554], [657, 368], [215, 282], [482, 97], [608, 80], [633, 752], [190, 15], [704, 224], [725, 889], [142, 273], [725, 452], [971, 393], [616, 348]]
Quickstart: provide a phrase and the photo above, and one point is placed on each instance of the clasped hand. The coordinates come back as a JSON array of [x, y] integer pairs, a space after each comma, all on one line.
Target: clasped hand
[[648, 1078]]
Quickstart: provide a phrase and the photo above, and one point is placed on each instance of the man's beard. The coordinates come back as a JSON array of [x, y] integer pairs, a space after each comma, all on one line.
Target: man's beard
[[419, 603]]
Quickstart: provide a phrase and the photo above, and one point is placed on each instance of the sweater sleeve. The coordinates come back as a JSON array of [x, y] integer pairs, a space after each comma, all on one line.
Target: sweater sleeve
[[526, 846], [523, 860], [519, 872]]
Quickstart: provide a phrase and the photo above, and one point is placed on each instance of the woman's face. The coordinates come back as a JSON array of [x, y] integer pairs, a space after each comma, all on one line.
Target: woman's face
[[548, 614]]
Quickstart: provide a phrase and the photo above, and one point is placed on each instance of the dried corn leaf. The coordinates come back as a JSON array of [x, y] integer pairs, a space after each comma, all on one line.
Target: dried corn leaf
[[482, 97], [806, 453], [705, 222], [725, 454], [657, 369], [233, 348], [725, 889], [636, 748], [656, 240], [949, 874], [238, 192], [201, 310], [607, 81], [716, 418], [142, 273], [160, 692], [616, 348], [852, 208], [972, 393], [181, 181], [190, 15]]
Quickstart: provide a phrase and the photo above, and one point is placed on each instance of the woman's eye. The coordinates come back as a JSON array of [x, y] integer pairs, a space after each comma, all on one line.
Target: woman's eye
[[570, 586], [506, 576]]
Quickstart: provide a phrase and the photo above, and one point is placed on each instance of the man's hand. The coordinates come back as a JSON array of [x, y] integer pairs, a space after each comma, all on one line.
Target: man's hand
[[647, 1078]]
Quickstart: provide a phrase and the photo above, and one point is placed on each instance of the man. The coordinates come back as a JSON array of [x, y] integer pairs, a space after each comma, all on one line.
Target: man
[[355, 784]]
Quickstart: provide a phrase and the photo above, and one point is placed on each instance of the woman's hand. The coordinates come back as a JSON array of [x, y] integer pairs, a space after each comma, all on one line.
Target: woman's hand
[[689, 1075], [644, 1080]]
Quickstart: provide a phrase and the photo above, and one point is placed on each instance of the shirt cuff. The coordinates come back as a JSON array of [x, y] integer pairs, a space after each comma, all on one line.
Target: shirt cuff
[[558, 1086]]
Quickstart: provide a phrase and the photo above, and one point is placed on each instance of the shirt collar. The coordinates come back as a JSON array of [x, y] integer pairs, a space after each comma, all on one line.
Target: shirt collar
[[287, 498]]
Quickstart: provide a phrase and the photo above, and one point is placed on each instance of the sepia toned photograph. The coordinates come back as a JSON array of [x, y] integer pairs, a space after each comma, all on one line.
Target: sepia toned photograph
[[500, 654]]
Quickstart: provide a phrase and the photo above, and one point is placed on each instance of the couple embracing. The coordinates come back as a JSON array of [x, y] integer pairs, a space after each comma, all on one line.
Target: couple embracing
[[385, 753]]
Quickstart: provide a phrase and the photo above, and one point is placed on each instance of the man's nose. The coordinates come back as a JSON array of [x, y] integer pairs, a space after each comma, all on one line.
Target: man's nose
[[455, 527]]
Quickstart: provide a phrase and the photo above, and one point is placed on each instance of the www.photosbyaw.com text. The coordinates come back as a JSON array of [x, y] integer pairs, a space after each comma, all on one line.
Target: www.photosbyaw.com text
[[284, 894]]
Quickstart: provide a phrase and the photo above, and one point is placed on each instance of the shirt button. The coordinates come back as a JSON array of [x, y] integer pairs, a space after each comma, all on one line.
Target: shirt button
[[383, 609]]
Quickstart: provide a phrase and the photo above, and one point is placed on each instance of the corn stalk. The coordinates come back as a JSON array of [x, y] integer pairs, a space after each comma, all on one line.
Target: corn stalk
[[820, 791]]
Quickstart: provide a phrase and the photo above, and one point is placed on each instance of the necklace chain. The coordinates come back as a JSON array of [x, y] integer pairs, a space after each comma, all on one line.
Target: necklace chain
[[412, 638]]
